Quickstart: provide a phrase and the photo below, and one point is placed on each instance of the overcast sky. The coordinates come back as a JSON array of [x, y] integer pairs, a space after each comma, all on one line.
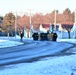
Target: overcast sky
[[43, 6]]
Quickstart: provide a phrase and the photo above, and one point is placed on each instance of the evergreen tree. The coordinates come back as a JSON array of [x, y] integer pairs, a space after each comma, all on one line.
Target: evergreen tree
[[8, 24]]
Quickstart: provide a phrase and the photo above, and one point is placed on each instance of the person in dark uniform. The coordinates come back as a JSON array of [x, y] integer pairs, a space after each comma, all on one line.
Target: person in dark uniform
[[54, 37], [35, 36], [21, 35]]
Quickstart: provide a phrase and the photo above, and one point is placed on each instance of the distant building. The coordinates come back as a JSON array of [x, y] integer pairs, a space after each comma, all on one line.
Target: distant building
[[44, 27], [49, 27]]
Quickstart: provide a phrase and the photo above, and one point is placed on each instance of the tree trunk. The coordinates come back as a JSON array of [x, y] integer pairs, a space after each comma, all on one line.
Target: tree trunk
[[69, 34]]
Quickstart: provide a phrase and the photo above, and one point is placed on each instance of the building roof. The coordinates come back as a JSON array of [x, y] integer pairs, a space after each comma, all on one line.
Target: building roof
[[46, 25]]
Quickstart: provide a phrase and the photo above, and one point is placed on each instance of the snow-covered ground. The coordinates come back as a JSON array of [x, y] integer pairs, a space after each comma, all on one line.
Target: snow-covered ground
[[8, 43], [63, 65]]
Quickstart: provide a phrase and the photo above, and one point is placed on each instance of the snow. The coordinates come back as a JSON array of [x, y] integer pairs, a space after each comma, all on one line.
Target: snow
[[8, 43], [68, 40], [58, 65]]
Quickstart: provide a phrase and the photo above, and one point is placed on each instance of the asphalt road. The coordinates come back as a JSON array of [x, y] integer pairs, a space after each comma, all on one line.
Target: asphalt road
[[28, 52]]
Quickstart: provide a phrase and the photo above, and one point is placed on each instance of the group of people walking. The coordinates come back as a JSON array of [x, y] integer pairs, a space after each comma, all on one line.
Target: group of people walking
[[42, 36], [45, 36]]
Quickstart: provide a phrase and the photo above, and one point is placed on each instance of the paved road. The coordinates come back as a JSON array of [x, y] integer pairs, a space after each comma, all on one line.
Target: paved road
[[29, 51]]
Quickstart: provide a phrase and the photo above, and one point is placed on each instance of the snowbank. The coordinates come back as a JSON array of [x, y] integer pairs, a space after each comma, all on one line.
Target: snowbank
[[8, 43]]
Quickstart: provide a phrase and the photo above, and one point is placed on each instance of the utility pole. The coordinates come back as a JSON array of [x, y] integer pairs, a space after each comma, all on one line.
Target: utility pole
[[15, 25], [55, 20], [75, 17], [75, 24], [30, 24]]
